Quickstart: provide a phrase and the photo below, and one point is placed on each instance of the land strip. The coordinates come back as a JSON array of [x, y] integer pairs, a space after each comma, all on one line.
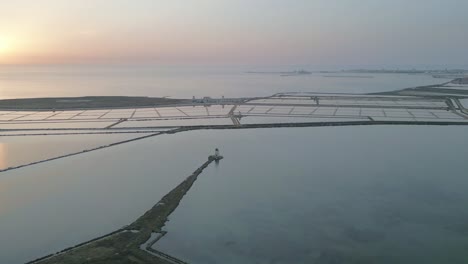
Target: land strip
[[79, 133], [247, 126], [85, 103], [88, 150], [442, 90]]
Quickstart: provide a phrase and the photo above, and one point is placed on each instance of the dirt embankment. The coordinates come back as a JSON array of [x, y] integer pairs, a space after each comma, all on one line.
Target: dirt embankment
[[441, 91], [460, 81], [88, 102]]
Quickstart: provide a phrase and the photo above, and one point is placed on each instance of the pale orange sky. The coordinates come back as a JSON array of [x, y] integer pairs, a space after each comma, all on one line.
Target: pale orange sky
[[297, 31]]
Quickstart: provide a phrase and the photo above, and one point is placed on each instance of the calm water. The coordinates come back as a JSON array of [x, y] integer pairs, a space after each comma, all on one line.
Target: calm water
[[336, 195], [328, 195], [16, 151], [387, 194], [182, 82], [51, 206]]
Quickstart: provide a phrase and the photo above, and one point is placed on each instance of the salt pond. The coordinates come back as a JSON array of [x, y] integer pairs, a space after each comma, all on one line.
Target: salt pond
[[375, 194], [51, 206], [381, 194], [20, 150]]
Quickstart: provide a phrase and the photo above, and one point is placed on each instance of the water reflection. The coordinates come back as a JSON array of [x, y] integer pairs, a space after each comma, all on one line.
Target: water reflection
[[3, 156], [15, 151], [360, 195], [183, 82]]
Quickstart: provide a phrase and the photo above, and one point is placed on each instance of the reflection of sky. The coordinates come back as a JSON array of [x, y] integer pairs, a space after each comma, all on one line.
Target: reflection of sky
[[3, 156], [16, 151], [375, 194]]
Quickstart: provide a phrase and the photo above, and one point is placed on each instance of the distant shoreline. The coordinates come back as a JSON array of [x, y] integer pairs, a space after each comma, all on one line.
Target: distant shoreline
[[456, 73], [348, 76], [282, 73]]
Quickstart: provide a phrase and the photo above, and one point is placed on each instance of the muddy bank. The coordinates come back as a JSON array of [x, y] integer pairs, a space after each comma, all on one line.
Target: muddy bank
[[460, 81], [85, 103], [442, 90]]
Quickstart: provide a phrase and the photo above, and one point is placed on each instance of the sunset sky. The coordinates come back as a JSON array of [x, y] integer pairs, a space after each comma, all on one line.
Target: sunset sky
[[234, 31]]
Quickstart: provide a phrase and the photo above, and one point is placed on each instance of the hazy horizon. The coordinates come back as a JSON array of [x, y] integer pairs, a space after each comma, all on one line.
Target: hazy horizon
[[300, 32]]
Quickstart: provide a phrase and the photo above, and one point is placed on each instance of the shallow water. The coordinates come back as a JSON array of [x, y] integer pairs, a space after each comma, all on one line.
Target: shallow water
[[382, 194], [393, 194], [51, 206], [20, 150]]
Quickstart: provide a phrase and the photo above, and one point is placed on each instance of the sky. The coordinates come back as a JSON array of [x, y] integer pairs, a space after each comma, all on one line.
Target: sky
[[331, 32]]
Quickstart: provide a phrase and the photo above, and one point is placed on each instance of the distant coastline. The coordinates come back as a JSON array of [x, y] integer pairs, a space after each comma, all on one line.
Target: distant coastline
[[349, 76], [437, 72], [282, 73]]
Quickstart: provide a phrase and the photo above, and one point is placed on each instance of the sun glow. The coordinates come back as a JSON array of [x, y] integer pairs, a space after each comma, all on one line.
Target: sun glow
[[5, 45]]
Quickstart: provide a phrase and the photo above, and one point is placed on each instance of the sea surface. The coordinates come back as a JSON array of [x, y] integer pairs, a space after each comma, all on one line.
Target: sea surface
[[186, 81], [367, 194]]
